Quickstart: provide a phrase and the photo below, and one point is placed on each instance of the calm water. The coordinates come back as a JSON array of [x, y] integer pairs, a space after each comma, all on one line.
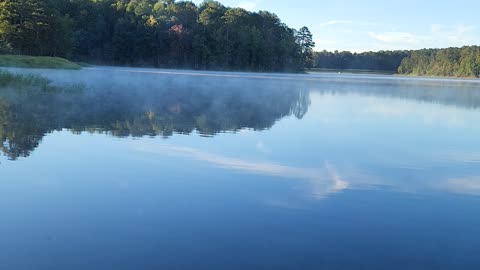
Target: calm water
[[145, 169]]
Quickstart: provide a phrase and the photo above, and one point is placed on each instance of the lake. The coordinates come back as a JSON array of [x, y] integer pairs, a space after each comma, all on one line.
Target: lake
[[162, 169]]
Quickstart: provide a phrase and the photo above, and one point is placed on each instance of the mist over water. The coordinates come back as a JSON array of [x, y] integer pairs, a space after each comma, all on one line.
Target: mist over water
[[163, 169]]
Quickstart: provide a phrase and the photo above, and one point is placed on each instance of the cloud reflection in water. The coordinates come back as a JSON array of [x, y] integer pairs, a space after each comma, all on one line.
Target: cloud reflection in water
[[324, 181]]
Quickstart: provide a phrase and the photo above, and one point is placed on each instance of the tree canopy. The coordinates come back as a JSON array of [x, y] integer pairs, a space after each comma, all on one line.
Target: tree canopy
[[458, 62], [452, 62], [160, 33], [180, 34], [382, 60]]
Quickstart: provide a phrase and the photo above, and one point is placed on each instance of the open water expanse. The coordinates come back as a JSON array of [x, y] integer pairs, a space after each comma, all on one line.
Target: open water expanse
[[131, 169]]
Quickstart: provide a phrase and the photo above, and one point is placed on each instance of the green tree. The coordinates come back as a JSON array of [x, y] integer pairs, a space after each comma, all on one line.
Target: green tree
[[306, 43]]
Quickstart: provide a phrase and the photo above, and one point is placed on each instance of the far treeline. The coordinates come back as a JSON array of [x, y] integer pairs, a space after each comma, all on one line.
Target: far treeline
[[458, 62], [454, 62], [180, 34], [158, 33]]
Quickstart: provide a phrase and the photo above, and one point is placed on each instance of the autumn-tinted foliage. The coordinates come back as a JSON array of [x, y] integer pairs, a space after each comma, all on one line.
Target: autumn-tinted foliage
[[160, 33]]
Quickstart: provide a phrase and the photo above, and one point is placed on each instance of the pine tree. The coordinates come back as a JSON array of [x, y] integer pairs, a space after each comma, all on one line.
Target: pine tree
[[306, 43]]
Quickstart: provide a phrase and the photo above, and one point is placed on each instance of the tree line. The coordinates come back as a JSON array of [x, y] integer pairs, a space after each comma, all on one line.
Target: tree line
[[180, 34], [454, 62], [159, 33], [457, 62], [382, 60]]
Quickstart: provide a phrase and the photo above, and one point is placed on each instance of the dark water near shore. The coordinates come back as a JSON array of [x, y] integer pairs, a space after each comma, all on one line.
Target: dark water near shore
[[158, 169]]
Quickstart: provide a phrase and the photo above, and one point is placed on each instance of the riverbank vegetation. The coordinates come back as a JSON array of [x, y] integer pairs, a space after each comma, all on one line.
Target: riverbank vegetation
[[9, 79], [24, 61], [30, 83], [159, 33]]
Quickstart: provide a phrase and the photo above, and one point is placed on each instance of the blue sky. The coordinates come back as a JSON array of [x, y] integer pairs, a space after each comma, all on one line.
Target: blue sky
[[373, 25]]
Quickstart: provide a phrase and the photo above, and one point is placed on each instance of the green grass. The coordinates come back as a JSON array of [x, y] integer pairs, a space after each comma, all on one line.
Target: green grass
[[83, 64], [8, 79], [30, 83], [23, 61]]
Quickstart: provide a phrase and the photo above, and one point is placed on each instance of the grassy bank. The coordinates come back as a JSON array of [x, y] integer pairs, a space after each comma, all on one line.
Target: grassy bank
[[8, 79], [23, 61], [34, 83]]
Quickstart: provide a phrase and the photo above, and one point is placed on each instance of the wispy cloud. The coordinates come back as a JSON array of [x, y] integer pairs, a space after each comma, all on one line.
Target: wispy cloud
[[261, 147], [396, 37], [324, 42], [438, 36], [456, 35], [346, 23], [460, 35], [466, 185], [334, 22]]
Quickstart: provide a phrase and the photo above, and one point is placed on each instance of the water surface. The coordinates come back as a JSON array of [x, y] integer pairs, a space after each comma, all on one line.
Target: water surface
[[160, 169]]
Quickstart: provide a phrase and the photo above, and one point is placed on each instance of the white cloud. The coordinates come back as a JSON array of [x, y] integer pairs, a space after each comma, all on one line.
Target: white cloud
[[334, 22], [248, 5], [462, 29], [437, 36], [324, 42], [396, 37], [346, 22], [459, 36], [436, 28], [262, 148], [467, 185]]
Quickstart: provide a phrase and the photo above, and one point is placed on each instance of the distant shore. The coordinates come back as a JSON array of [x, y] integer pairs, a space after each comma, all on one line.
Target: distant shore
[[352, 71], [41, 62]]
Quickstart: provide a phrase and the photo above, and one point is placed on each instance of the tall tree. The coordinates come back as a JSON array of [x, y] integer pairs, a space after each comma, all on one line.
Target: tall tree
[[306, 43]]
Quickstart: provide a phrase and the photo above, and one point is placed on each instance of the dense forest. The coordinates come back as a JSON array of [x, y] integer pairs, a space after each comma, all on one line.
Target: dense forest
[[382, 60], [159, 33], [457, 62], [454, 62], [180, 34]]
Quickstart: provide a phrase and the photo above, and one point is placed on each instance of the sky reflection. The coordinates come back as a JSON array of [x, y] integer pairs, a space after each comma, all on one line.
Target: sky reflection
[[145, 169], [323, 180]]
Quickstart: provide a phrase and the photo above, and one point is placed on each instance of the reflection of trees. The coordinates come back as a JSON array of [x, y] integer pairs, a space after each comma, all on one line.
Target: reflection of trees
[[209, 109], [22, 129], [459, 93]]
